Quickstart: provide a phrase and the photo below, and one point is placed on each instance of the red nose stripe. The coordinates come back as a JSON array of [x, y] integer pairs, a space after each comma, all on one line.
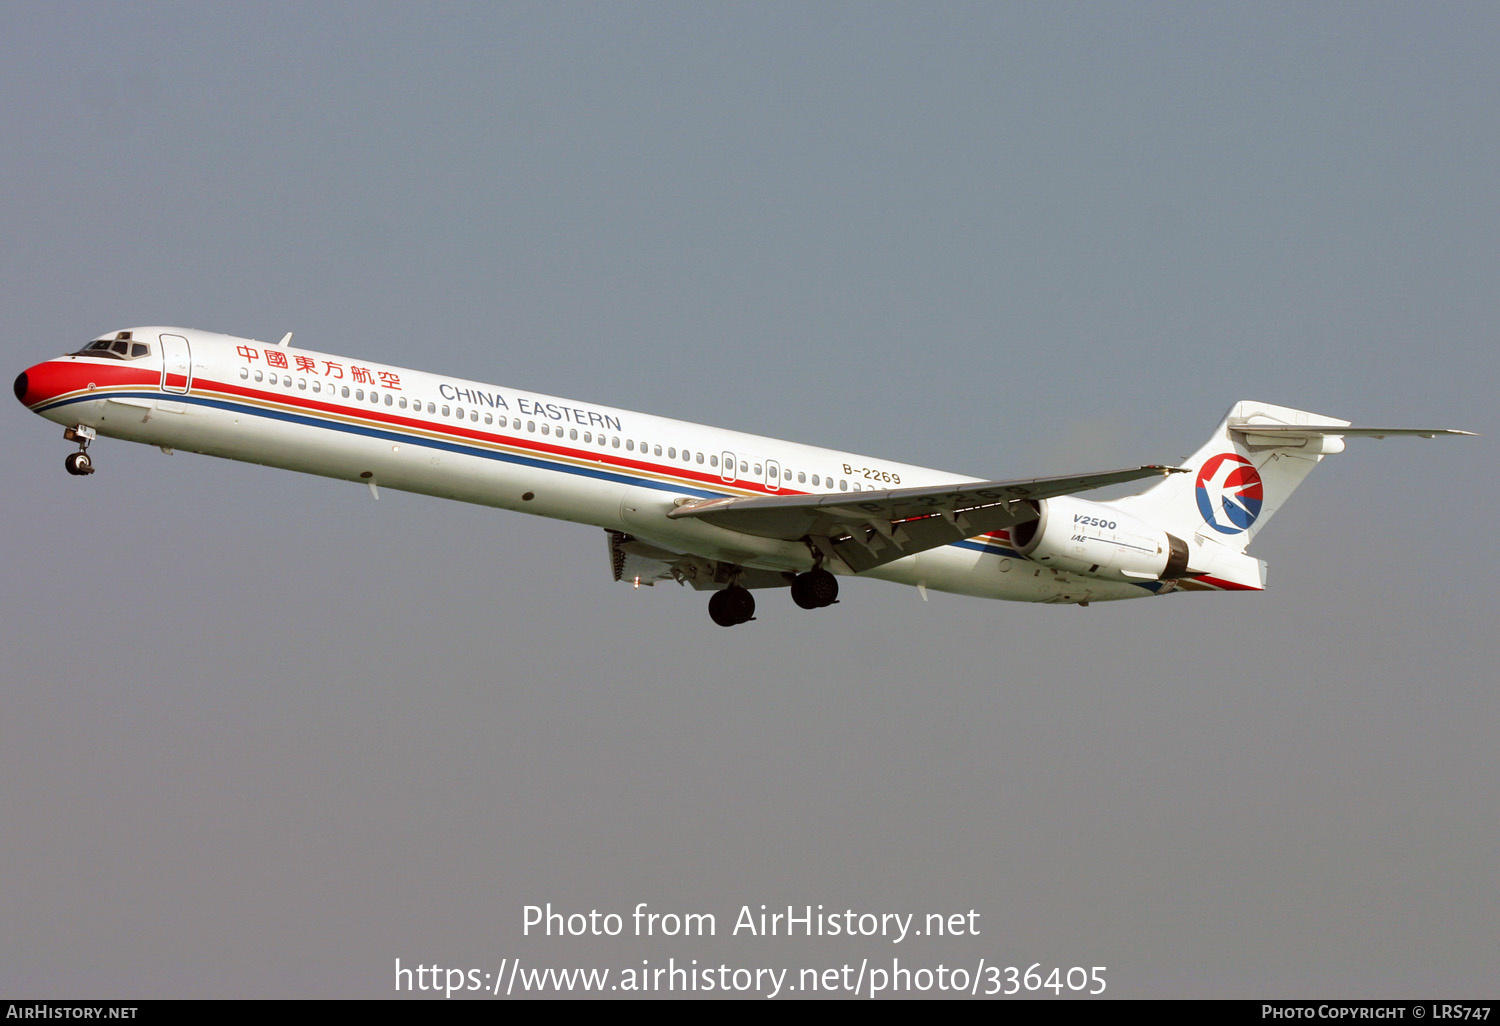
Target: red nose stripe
[[47, 381]]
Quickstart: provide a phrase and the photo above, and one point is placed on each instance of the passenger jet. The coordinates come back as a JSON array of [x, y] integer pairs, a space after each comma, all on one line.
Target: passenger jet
[[723, 511]]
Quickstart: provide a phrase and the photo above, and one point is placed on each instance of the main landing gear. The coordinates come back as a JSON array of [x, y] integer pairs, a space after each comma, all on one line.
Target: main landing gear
[[735, 604], [731, 606], [78, 463], [815, 589]]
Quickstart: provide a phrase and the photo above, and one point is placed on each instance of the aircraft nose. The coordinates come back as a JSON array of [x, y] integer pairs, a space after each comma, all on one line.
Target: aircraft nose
[[22, 384]]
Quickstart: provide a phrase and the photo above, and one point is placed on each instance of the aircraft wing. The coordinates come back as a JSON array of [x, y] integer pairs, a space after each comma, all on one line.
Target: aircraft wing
[[867, 529], [639, 562]]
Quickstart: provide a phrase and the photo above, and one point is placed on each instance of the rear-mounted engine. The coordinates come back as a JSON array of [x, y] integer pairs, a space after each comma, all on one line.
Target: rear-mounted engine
[[1096, 540]]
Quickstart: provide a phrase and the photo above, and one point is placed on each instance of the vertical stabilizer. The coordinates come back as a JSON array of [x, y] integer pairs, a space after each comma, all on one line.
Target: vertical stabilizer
[[1239, 479]]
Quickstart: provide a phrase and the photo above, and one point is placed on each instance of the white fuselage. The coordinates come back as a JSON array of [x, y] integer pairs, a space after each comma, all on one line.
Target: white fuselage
[[392, 427]]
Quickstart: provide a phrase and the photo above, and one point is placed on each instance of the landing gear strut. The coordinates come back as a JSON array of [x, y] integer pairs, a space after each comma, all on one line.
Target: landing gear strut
[[731, 606], [78, 463], [815, 589]]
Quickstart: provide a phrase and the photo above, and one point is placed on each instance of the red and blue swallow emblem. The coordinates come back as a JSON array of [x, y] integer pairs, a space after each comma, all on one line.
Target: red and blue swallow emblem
[[1229, 493]]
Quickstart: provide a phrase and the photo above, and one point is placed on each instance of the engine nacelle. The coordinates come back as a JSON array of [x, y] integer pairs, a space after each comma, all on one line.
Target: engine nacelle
[[1095, 540]]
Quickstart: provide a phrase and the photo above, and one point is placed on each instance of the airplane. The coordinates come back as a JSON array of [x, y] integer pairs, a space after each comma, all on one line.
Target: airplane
[[723, 511]]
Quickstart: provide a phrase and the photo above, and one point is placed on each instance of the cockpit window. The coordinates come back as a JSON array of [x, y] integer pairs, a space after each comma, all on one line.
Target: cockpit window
[[119, 346]]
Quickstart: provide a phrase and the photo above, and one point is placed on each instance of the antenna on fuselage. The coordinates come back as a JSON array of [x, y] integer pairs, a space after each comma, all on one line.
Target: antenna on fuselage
[[285, 339]]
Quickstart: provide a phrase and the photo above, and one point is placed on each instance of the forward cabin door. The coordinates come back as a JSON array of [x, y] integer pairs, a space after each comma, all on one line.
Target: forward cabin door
[[176, 364]]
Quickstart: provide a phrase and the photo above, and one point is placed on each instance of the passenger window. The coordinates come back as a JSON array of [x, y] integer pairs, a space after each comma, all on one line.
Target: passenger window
[[390, 400], [713, 461], [503, 422], [572, 434], [546, 430], [656, 450], [402, 403], [757, 470], [445, 410], [671, 454], [843, 485], [630, 445], [588, 436], [459, 412], [257, 375], [802, 478], [699, 456], [744, 467], [487, 418], [344, 391], [815, 480], [531, 426], [615, 442], [244, 373], [317, 386]]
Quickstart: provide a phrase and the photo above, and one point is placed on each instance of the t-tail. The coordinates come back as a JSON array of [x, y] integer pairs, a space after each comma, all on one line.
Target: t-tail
[[1237, 481]]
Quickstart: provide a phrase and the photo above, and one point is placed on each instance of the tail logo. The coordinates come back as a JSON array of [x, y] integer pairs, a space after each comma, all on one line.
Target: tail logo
[[1229, 493]]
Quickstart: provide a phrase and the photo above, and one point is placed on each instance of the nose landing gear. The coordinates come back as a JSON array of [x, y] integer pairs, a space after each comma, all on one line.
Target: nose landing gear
[[78, 463]]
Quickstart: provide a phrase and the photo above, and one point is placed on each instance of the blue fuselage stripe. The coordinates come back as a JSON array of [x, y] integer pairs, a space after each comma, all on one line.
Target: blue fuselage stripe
[[395, 435]]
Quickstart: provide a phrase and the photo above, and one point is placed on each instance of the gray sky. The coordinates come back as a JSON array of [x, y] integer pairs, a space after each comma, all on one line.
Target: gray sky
[[262, 736]]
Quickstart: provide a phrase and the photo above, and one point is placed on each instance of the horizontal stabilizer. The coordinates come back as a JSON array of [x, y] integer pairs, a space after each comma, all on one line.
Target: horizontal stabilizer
[[1341, 430]]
